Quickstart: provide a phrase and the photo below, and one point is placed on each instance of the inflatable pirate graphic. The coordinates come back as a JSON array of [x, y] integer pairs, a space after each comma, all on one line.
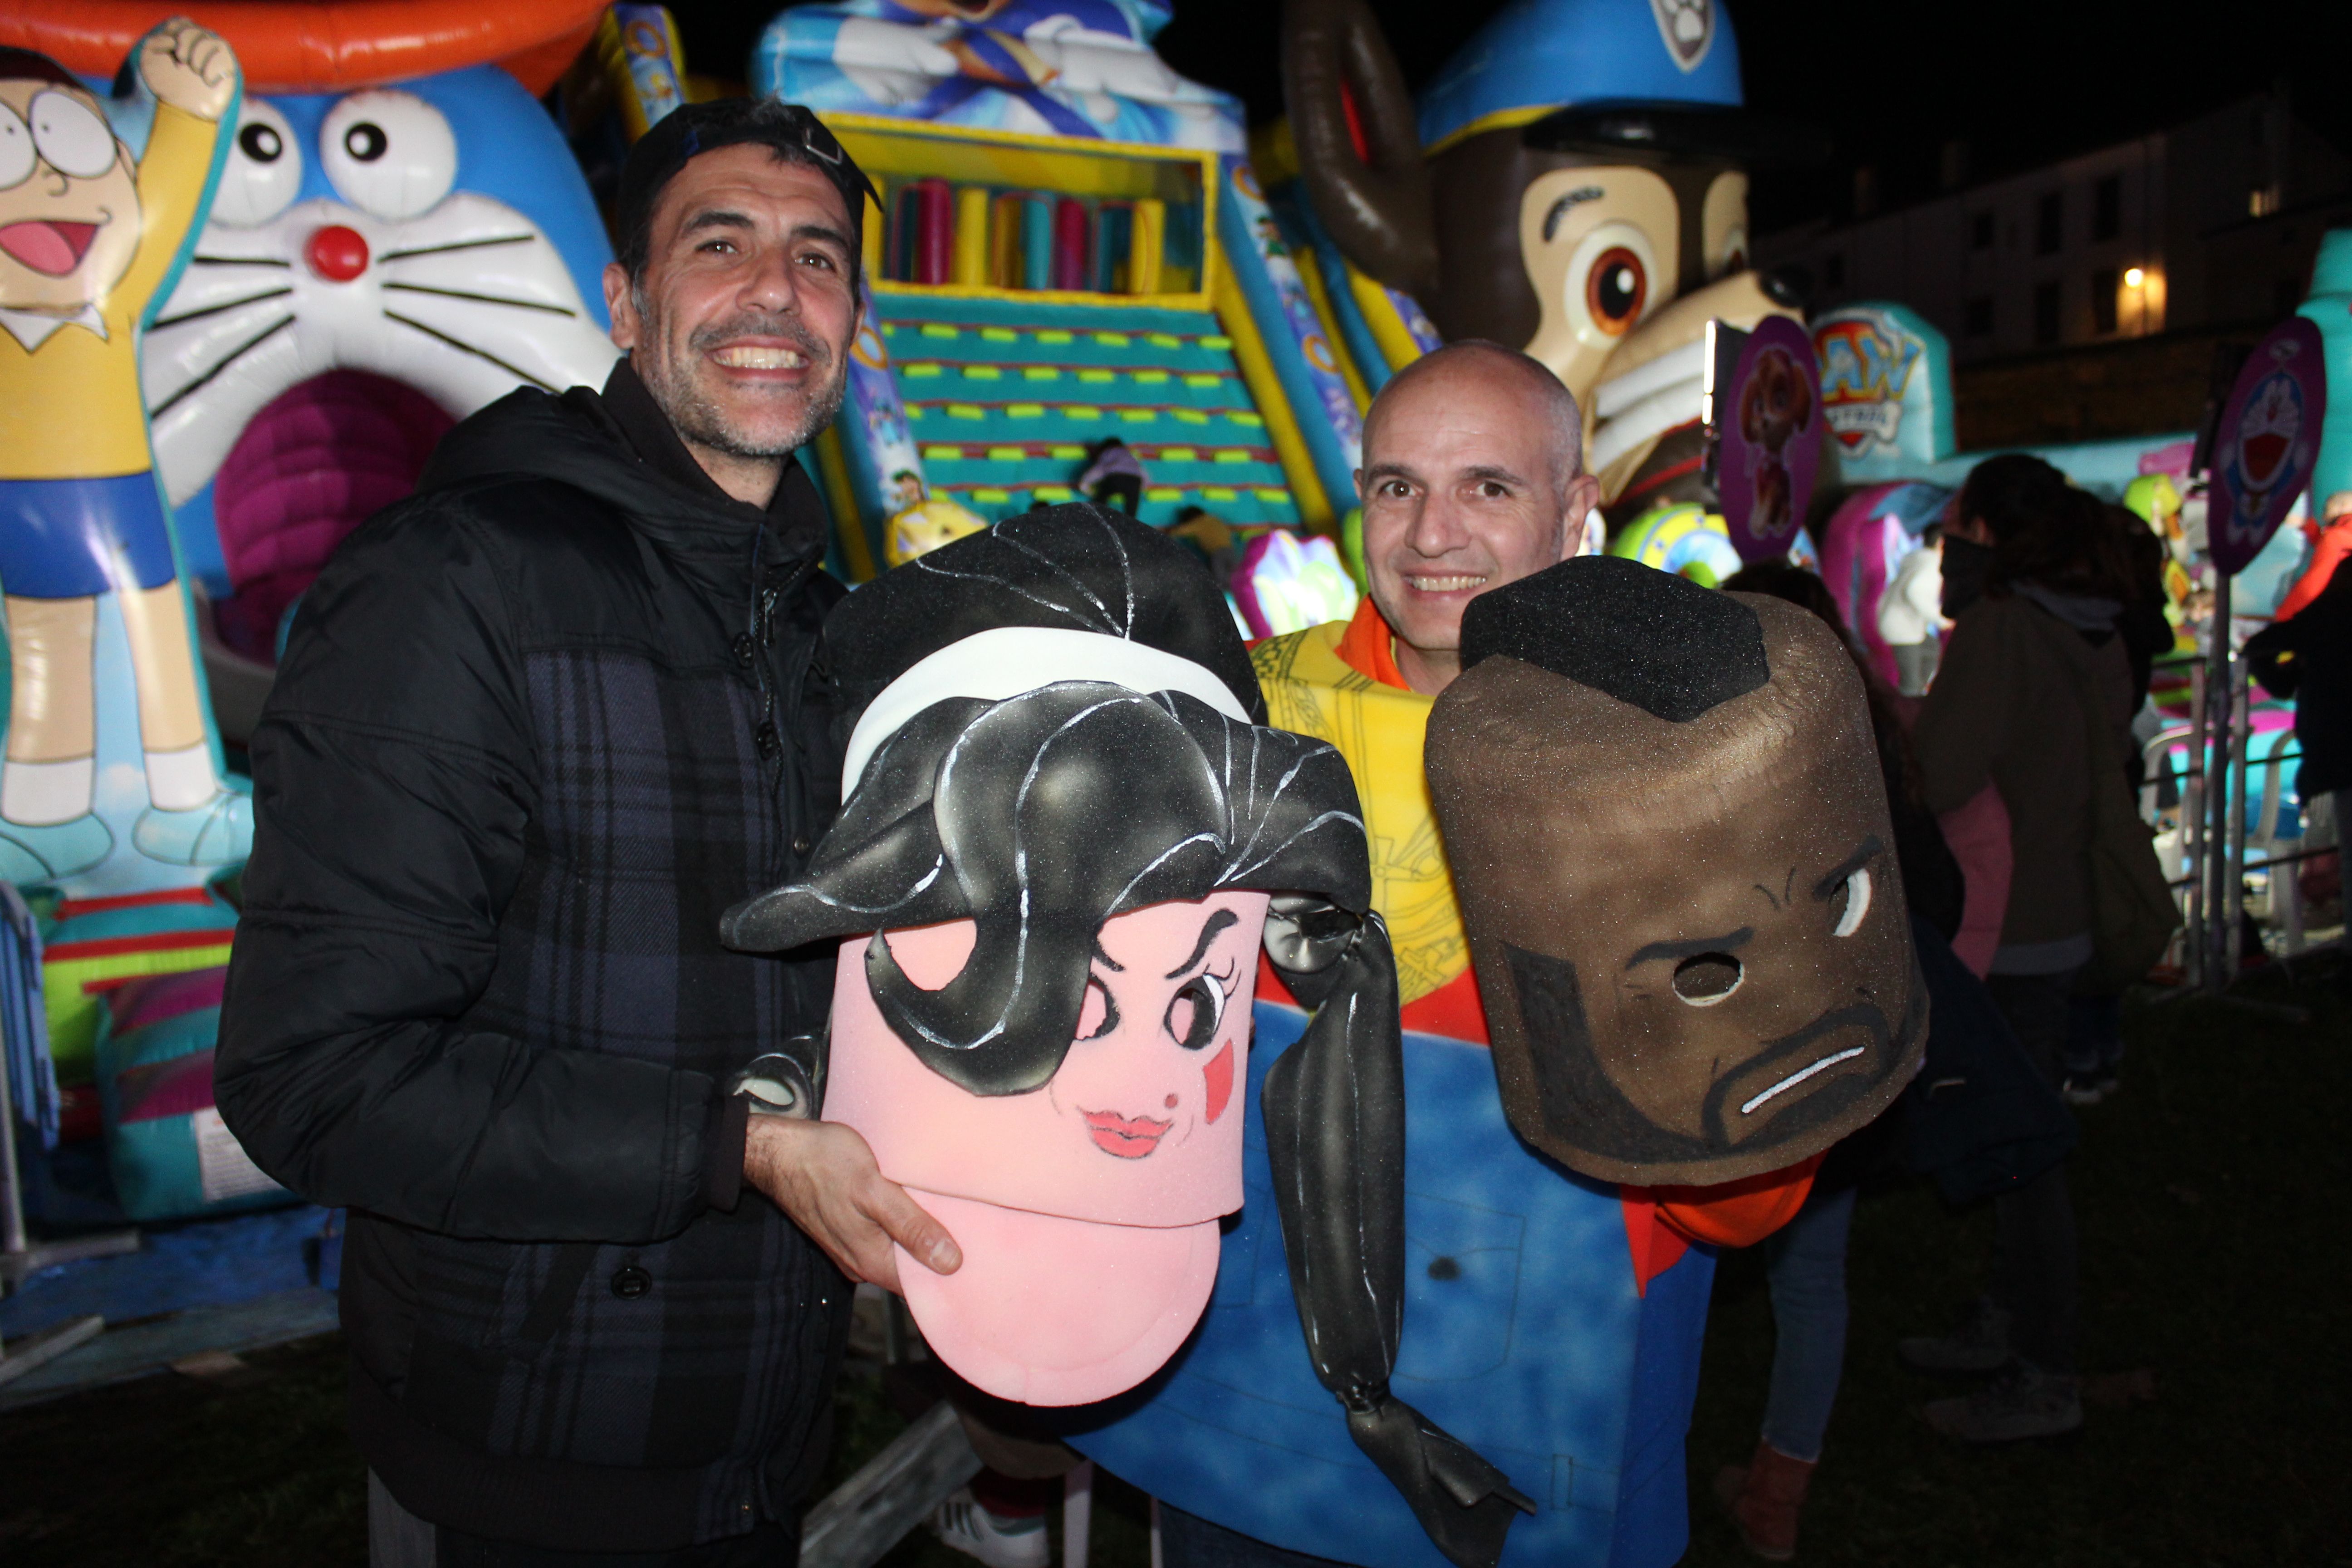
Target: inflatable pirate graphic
[[1574, 183], [1067, 838], [1660, 963]]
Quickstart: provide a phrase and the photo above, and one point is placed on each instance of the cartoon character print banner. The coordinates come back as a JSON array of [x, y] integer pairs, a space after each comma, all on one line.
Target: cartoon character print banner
[[2266, 441], [1663, 810], [1771, 436]]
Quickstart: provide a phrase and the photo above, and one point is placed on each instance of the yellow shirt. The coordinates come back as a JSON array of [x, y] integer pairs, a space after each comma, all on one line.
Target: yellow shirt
[[1380, 728], [73, 407]]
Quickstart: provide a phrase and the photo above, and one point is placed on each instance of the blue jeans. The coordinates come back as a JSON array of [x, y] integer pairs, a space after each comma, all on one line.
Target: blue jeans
[[2037, 1253], [2094, 1036], [1804, 1264]]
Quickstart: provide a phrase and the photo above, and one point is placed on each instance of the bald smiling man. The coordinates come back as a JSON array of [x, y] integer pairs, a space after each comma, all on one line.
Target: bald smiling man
[[1473, 477]]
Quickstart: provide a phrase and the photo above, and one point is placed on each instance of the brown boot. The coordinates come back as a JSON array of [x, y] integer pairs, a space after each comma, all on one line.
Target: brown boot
[[1765, 1497]]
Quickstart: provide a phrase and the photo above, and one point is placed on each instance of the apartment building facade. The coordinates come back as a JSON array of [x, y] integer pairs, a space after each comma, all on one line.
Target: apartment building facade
[[2210, 225]]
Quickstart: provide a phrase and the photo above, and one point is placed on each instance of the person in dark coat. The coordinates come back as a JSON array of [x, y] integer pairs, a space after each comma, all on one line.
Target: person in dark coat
[[2308, 658], [1804, 1261], [535, 729]]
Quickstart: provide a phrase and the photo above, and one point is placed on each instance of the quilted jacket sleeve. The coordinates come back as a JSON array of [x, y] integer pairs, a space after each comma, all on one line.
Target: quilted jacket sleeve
[[394, 784]]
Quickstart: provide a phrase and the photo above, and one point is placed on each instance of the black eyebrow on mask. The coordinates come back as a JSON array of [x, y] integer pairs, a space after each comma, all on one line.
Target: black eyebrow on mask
[[1871, 850], [1209, 930], [1106, 960], [1691, 949]]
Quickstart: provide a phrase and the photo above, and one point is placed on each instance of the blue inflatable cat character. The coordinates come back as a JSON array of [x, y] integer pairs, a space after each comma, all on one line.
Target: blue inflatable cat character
[[383, 258]]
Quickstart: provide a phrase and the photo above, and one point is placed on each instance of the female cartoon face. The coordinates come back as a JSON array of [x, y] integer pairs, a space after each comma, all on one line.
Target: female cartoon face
[[1087, 1207], [1138, 1127]]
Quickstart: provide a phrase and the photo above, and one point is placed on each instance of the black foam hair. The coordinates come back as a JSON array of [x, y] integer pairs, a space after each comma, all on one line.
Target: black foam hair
[[1040, 818], [1078, 567], [1660, 642]]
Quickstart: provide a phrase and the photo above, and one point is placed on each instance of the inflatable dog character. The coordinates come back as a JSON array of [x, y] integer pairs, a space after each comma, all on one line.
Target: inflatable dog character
[[1663, 810], [1068, 835], [1575, 183]]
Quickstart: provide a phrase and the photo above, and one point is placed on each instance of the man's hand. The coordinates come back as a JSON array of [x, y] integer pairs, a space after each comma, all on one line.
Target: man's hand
[[189, 68], [822, 1175]]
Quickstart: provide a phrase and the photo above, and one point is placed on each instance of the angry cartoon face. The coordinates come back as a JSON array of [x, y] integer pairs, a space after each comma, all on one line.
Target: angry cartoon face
[[1664, 815], [69, 219]]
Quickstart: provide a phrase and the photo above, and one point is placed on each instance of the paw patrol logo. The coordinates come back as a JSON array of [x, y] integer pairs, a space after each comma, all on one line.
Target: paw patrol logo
[[1688, 29], [1866, 362]]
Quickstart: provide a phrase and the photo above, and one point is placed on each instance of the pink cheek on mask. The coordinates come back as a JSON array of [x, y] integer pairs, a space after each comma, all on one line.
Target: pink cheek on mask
[[1220, 1076]]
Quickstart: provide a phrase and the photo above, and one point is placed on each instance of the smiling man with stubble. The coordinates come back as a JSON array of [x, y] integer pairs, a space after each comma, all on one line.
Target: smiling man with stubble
[[535, 730]]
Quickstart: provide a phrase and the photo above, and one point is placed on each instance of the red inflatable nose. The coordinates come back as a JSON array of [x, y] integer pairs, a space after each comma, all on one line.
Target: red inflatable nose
[[337, 254]]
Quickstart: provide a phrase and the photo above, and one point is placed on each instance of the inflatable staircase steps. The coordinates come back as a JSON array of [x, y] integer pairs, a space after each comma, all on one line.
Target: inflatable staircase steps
[[1004, 396]]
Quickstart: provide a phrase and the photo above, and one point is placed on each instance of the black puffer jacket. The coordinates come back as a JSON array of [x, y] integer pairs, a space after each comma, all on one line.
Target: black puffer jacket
[[2309, 658], [535, 729]]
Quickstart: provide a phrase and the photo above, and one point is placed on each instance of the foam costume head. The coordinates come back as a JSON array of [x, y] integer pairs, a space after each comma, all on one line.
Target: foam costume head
[[1664, 811], [1066, 830]]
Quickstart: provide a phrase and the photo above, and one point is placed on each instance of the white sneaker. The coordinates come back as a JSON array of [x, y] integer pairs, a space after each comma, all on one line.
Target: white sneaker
[[961, 1524]]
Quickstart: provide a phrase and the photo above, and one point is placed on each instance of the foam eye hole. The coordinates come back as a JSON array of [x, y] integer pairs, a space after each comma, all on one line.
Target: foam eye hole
[[1706, 978], [1851, 903], [390, 154], [1195, 1012], [264, 169]]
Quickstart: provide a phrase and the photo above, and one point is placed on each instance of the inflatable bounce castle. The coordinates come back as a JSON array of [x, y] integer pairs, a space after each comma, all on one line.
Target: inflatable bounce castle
[[348, 231]]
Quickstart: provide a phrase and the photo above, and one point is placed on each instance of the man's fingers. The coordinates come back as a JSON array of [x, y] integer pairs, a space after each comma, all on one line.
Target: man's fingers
[[912, 1227], [882, 1269]]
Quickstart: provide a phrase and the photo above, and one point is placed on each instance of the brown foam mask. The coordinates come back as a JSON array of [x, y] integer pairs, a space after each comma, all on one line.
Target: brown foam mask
[[1665, 820]]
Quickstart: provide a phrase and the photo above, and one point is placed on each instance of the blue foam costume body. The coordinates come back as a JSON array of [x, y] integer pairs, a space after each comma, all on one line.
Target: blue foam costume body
[[1524, 1336]]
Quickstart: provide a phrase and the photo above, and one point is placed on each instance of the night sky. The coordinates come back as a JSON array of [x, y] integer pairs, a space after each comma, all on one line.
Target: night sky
[[2021, 81]]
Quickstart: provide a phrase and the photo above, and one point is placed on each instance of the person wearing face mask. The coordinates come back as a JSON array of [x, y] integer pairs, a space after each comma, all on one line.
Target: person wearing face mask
[[1909, 614], [2034, 582]]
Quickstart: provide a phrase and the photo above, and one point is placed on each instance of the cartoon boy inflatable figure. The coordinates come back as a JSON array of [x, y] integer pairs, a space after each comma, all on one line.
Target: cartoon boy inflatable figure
[[89, 236]]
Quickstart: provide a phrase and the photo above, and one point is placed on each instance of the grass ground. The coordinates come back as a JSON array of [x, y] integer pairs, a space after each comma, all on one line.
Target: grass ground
[[2211, 1196]]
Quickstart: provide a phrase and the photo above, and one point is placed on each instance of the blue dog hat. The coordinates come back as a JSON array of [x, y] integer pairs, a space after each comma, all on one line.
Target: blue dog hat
[[1538, 57]]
